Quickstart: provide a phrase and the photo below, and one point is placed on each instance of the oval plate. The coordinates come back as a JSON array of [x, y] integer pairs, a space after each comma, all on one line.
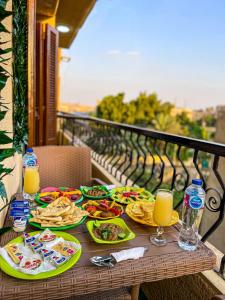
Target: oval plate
[[39, 201], [146, 195], [5, 267], [175, 217], [101, 218], [57, 228], [84, 190]]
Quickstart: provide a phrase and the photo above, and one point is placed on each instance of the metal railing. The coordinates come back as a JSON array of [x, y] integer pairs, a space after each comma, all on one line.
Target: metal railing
[[152, 159]]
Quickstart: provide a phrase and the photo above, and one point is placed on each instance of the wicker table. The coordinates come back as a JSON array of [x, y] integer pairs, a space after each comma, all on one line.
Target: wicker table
[[158, 263]]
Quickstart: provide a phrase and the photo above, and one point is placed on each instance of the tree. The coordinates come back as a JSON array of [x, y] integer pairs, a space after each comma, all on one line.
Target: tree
[[111, 108]]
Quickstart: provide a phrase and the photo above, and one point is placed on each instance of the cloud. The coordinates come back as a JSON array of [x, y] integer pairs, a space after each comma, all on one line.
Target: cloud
[[114, 52], [133, 53]]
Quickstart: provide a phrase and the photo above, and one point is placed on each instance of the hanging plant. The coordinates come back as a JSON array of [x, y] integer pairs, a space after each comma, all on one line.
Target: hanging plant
[[4, 75], [20, 87]]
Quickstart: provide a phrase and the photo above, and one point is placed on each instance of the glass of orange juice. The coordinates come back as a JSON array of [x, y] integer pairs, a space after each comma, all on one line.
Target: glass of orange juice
[[162, 215], [31, 182]]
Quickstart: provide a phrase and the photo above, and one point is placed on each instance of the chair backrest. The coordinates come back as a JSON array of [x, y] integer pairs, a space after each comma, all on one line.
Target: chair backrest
[[64, 165]]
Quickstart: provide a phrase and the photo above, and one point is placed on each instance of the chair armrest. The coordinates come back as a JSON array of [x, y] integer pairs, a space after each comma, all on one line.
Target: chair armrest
[[97, 181], [218, 297]]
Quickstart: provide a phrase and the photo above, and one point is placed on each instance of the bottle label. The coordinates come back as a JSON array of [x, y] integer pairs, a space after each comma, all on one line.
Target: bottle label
[[31, 162], [196, 202]]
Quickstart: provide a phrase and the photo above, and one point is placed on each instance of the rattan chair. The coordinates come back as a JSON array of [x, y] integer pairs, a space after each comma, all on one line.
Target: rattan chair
[[65, 166]]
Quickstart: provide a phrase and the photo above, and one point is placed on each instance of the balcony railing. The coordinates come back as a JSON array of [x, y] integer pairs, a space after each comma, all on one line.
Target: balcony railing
[[153, 159]]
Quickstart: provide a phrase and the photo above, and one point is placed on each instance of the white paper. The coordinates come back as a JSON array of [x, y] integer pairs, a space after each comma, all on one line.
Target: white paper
[[133, 253]]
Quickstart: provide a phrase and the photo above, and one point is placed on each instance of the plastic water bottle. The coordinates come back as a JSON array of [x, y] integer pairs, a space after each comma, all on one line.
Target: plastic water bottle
[[29, 158], [194, 200]]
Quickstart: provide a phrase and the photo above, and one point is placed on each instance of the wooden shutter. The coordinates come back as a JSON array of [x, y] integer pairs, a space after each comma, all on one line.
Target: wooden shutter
[[51, 80], [40, 84]]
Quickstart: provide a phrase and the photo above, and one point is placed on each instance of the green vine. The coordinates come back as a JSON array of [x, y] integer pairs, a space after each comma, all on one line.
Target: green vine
[[20, 88], [4, 75]]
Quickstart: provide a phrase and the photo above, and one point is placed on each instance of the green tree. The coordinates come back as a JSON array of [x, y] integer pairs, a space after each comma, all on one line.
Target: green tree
[[111, 108]]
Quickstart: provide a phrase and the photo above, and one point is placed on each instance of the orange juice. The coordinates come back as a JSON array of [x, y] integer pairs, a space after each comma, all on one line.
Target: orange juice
[[31, 180], [163, 208]]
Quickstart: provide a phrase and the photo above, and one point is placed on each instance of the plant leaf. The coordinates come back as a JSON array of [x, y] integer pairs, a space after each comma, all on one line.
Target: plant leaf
[[3, 3], [3, 194], [5, 51], [3, 79], [5, 153], [2, 60], [4, 138], [2, 114], [4, 230], [4, 13], [3, 29]]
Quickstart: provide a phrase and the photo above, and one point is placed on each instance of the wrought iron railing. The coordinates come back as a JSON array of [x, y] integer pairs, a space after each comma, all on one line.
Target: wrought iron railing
[[152, 159]]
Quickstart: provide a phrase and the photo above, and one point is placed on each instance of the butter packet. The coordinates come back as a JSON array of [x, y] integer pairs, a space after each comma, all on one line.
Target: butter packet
[[36, 246], [47, 254], [28, 239], [58, 260]]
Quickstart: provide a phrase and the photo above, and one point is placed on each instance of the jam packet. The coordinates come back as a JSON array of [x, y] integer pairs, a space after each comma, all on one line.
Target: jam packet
[[47, 236], [31, 263]]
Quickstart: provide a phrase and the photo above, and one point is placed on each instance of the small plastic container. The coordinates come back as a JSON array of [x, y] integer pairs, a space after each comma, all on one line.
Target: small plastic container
[[19, 224]]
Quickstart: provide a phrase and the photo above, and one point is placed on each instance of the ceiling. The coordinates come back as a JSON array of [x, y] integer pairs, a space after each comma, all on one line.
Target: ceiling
[[71, 13]]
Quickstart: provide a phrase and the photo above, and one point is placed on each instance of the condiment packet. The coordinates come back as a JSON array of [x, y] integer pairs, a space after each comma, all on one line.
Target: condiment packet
[[58, 259], [28, 239], [31, 263], [47, 253], [65, 249], [47, 236], [36, 246], [19, 204]]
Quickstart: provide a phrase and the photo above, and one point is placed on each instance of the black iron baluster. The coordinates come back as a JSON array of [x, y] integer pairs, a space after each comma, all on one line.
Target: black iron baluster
[[153, 163], [144, 162], [213, 201], [195, 161], [162, 167], [172, 165]]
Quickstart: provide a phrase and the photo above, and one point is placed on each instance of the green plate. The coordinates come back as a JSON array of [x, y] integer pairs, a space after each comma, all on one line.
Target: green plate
[[118, 221], [84, 190], [39, 201], [57, 228], [144, 195], [5, 267]]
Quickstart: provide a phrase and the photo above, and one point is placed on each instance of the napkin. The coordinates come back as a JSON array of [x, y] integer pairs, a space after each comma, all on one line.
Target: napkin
[[132, 253]]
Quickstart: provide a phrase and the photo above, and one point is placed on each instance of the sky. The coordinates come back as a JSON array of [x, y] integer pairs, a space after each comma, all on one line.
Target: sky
[[175, 48]]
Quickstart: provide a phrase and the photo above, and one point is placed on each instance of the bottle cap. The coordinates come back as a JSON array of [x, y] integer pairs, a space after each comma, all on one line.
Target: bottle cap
[[29, 150], [197, 181]]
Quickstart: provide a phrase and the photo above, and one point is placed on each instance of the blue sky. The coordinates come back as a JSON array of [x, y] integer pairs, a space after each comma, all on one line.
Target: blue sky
[[175, 48]]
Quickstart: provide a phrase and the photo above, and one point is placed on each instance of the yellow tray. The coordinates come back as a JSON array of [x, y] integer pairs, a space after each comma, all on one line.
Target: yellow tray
[[149, 222]]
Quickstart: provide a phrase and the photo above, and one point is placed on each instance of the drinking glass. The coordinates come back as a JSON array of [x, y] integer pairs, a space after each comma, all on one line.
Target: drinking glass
[[162, 215], [31, 182]]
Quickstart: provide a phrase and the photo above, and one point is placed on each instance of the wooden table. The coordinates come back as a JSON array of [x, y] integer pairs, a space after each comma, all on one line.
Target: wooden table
[[158, 263]]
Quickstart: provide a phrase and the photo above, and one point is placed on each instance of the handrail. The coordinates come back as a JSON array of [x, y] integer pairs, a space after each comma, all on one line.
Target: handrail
[[202, 145]]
